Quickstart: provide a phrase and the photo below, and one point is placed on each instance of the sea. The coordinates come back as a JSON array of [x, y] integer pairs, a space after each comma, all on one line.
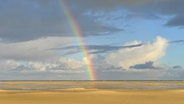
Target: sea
[[62, 85]]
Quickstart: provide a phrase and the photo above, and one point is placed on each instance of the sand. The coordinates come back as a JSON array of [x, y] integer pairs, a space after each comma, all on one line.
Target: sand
[[93, 96]]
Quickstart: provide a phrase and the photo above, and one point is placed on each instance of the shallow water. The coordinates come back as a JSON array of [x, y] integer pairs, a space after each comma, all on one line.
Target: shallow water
[[62, 85]]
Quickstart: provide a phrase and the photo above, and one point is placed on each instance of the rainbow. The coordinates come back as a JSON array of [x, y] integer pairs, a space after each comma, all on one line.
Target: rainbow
[[79, 37]]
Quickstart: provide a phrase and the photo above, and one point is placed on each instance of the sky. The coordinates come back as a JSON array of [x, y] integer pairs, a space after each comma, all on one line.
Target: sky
[[91, 40]]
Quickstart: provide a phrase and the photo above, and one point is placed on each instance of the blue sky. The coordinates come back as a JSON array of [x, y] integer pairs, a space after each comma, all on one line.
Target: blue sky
[[126, 39]]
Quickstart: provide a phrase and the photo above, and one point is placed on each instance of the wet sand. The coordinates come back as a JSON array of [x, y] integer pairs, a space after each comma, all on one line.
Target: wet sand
[[92, 96]]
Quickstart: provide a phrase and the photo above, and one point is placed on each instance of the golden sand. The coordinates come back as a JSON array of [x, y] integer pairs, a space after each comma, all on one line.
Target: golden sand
[[93, 96]]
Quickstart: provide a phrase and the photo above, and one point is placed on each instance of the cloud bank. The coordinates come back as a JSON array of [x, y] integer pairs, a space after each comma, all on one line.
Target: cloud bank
[[139, 55], [33, 60], [35, 54]]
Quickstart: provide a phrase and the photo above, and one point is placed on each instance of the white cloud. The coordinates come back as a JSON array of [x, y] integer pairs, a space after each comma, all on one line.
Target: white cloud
[[132, 56], [70, 63], [39, 59], [57, 65], [9, 64], [33, 50], [36, 55]]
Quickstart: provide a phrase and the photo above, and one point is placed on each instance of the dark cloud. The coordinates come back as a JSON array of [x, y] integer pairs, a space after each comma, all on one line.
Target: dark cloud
[[177, 67], [111, 4], [144, 8], [176, 21], [176, 41], [23, 20], [171, 8], [26, 20], [146, 65], [95, 49]]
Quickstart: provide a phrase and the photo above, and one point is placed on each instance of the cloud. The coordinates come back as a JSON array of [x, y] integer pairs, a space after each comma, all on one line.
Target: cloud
[[9, 64], [142, 74], [177, 67], [28, 20], [33, 50], [176, 41], [132, 56], [60, 65], [42, 76], [146, 65], [176, 21], [95, 49], [33, 60], [149, 9], [111, 4], [172, 74], [30, 56]]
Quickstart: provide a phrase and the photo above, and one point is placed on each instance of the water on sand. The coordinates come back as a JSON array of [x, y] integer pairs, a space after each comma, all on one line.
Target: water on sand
[[63, 85]]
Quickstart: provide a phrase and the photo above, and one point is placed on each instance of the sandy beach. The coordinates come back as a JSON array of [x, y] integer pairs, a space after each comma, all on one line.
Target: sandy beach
[[93, 96]]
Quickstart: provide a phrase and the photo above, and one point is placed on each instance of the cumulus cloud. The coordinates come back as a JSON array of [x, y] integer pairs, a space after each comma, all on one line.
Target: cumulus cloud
[[132, 56], [8, 64], [58, 65]]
